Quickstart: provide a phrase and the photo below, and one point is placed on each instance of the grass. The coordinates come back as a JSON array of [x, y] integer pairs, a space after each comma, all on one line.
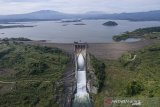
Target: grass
[[134, 78], [28, 75], [99, 70]]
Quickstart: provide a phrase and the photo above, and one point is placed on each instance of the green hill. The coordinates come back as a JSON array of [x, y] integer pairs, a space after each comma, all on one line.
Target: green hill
[[28, 75], [133, 76]]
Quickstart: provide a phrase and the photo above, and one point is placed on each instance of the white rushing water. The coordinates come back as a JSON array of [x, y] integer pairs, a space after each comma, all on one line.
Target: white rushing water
[[81, 83], [82, 98]]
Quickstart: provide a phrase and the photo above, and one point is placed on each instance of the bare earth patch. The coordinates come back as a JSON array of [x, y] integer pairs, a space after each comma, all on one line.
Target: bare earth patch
[[6, 87], [7, 72]]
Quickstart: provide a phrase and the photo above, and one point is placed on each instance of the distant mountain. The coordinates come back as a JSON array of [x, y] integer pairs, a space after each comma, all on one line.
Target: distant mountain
[[43, 14], [54, 15], [95, 12], [138, 16]]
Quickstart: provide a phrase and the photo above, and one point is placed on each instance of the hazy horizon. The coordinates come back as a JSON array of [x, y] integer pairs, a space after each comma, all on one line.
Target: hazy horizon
[[78, 6], [79, 13]]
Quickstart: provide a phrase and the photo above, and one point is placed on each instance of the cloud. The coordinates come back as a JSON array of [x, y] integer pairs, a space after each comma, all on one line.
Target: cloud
[[77, 6]]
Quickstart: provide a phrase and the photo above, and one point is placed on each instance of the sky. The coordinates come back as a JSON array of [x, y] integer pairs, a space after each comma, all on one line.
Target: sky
[[77, 6]]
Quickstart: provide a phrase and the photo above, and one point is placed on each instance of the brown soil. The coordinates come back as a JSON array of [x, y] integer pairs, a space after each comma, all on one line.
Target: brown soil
[[7, 72], [6, 87], [115, 50]]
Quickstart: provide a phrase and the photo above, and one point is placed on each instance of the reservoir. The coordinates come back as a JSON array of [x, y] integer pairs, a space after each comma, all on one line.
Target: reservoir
[[91, 31]]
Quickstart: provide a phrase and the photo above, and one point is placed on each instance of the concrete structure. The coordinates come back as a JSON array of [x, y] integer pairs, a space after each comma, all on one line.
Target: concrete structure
[[81, 97]]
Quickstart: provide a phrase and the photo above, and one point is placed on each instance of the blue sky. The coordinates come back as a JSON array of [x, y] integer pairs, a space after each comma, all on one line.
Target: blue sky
[[77, 6]]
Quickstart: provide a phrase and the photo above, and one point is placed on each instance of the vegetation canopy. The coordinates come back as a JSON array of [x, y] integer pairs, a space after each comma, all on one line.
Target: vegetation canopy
[[28, 75]]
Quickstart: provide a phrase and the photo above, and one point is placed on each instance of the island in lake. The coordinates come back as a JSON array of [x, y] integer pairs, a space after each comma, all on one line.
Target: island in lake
[[79, 24], [110, 23], [70, 20], [14, 26]]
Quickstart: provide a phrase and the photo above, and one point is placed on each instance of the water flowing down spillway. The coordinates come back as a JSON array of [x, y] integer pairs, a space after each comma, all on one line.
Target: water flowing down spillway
[[82, 101], [81, 98], [81, 82]]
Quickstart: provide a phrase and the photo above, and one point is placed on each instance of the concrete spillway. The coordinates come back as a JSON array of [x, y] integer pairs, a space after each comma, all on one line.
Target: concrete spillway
[[81, 97]]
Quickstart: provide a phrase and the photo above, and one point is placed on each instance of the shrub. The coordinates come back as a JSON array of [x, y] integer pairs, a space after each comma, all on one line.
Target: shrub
[[134, 88]]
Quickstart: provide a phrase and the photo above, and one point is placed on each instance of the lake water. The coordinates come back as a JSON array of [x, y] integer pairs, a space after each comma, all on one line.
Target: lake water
[[58, 32]]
